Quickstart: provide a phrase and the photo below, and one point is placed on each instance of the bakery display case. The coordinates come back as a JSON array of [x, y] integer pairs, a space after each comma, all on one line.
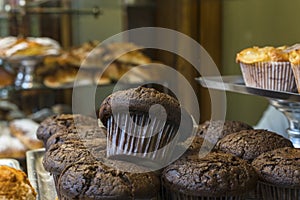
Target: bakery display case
[[43, 63]]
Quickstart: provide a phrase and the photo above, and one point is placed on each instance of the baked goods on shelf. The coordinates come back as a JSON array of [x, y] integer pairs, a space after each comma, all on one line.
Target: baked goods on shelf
[[25, 131], [10, 147], [18, 47], [267, 68], [111, 61], [14, 184]]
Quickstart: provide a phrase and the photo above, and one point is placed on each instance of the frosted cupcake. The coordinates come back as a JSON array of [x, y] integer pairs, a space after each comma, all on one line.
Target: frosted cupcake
[[140, 122], [267, 68]]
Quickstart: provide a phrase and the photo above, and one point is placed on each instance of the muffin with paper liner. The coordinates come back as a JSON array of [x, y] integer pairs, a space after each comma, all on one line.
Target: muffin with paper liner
[[279, 175], [267, 68], [141, 123]]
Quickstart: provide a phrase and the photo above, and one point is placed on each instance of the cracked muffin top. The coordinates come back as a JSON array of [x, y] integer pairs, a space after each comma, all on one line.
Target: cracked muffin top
[[248, 144], [98, 181], [280, 167], [214, 175], [263, 54], [53, 124], [139, 101]]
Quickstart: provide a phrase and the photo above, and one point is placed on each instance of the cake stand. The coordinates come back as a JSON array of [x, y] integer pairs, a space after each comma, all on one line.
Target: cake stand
[[286, 102]]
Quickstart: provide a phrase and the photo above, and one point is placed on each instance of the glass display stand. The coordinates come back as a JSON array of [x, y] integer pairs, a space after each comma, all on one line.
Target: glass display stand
[[286, 102], [26, 78]]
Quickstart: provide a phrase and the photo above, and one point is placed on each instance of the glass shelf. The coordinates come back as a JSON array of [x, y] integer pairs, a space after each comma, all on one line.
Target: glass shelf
[[286, 102]]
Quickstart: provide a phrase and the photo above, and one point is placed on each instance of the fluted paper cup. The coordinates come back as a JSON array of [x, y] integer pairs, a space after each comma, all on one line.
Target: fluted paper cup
[[296, 71], [276, 76], [169, 194], [138, 141], [269, 191]]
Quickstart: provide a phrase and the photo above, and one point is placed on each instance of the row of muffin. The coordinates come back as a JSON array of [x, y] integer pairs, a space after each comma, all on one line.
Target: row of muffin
[[82, 170], [273, 68], [76, 157], [217, 174]]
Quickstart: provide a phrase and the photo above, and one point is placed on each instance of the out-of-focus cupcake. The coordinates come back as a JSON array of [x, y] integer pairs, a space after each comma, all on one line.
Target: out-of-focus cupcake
[[279, 174], [267, 68], [215, 176], [141, 122], [294, 58]]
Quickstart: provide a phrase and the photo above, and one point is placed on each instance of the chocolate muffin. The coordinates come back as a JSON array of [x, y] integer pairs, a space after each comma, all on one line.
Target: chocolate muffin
[[215, 176], [81, 133], [217, 129], [53, 124], [58, 156], [140, 123], [279, 173], [97, 181], [248, 144]]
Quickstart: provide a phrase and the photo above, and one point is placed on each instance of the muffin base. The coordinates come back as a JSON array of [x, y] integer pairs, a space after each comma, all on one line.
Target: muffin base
[[276, 76]]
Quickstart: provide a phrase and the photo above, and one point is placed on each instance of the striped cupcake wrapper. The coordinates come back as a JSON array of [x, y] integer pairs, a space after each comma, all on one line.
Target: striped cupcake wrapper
[[129, 136], [296, 71], [269, 191], [276, 76]]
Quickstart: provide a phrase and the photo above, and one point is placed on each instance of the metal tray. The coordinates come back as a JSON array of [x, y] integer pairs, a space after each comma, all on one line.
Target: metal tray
[[40, 179], [236, 84], [10, 162]]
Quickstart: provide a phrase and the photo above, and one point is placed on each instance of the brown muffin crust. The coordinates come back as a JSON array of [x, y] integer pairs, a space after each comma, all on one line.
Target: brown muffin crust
[[280, 167], [138, 101], [97, 181], [80, 133], [215, 175], [61, 155], [248, 144], [53, 124], [218, 129]]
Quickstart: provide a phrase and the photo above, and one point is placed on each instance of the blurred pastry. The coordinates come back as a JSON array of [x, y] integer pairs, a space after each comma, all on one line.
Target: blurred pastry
[[6, 78], [14, 47], [11, 147], [25, 131], [14, 184]]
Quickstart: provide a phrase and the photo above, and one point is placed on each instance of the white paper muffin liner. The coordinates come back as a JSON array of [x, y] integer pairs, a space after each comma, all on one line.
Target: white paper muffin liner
[[276, 76], [269, 191], [296, 71], [130, 137], [175, 195]]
